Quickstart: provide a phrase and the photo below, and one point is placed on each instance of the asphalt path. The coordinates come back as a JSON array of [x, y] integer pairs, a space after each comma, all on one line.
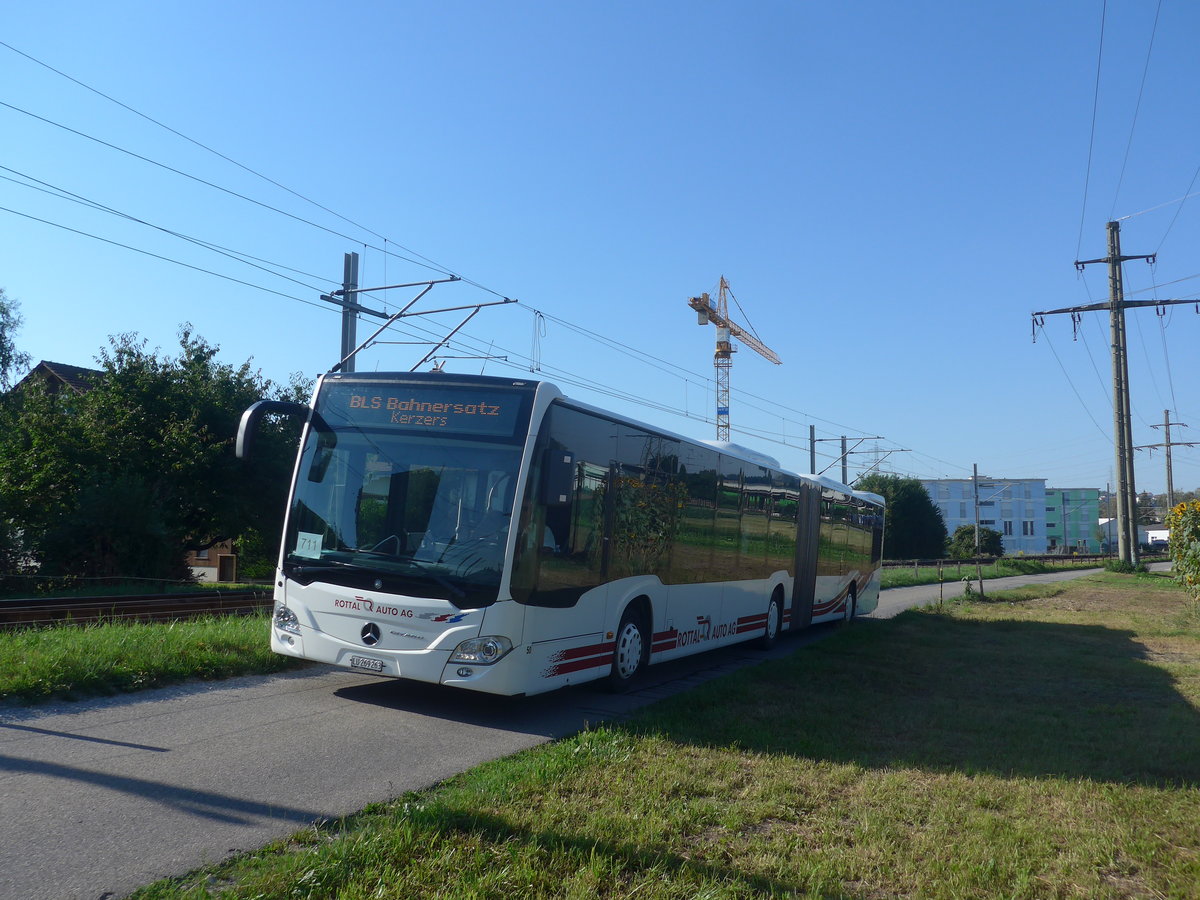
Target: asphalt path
[[101, 797]]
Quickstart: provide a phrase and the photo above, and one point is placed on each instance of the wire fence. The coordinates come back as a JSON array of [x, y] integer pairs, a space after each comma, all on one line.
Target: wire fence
[[35, 612]]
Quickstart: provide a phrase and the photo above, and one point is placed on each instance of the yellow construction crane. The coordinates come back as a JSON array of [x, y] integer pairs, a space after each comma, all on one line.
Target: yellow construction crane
[[723, 357]]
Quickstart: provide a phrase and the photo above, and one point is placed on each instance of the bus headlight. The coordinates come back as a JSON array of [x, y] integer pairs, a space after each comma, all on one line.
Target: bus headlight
[[286, 620], [481, 651]]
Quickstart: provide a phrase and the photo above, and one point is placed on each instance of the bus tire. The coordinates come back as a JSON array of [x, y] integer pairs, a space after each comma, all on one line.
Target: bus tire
[[774, 622], [630, 651]]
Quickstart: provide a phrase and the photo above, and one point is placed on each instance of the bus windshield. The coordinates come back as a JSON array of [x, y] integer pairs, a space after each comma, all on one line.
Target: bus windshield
[[402, 511]]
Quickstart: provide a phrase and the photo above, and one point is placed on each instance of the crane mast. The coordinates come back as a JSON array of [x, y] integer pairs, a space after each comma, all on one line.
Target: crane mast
[[718, 315]]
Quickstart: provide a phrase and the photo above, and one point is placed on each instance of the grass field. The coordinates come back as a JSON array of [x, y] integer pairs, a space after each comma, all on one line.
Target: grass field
[[1040, 745], [72, 662]]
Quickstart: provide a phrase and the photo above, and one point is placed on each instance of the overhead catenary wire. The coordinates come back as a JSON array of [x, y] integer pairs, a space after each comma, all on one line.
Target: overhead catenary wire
[[159, 256], [562, 375], [246, 258], [207, 148], [225, 190], [384, 250]]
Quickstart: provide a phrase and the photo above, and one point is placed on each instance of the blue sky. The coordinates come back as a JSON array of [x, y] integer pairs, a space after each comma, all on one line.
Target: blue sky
[[890, 190]]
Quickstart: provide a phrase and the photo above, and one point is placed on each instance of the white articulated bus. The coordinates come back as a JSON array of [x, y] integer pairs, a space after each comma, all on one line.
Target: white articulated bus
[[493, 534]]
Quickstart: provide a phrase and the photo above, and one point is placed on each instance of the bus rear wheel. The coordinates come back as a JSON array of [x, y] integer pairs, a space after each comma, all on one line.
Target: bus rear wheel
[[629, 652], [774, 623]]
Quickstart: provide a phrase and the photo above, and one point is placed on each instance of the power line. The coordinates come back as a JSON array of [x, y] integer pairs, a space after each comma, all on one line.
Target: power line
[[1067, 376], [1092, 136], [1136, 109]]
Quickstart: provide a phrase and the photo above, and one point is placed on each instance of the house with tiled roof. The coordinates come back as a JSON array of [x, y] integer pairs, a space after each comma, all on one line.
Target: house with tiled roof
[[58, 377]]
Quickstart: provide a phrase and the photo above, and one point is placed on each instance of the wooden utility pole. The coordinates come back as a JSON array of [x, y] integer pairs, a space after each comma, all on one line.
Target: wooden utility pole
[[1127, 536]]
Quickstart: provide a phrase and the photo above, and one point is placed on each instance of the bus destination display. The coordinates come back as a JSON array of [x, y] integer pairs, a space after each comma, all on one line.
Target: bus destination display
[[417, 408]]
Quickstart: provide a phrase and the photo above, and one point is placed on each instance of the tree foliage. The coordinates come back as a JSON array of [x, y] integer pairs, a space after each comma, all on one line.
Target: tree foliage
[[11, 359], [913, 527], [1184, 547], [124, 478], [962, 542]]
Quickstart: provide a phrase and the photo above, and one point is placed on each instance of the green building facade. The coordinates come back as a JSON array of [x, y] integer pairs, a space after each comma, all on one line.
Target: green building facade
[[1072, 520]]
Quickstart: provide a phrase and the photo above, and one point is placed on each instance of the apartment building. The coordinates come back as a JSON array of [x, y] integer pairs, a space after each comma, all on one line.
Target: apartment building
[[1015, 507]]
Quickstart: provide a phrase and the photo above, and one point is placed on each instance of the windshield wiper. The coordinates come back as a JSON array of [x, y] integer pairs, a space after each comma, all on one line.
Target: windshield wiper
[[444, 582], [326, 564], [423, 567]]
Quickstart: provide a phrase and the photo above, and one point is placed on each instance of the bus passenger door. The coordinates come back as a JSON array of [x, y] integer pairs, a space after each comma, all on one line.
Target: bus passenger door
[[808, 534]]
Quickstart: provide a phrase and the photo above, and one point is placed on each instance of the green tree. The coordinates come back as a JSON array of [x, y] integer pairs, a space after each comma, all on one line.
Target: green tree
[[123, 479], [913, 527], [962, 542], [11, 359]]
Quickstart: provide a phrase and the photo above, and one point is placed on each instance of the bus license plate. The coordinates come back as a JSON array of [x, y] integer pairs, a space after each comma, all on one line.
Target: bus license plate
[[365, 662]]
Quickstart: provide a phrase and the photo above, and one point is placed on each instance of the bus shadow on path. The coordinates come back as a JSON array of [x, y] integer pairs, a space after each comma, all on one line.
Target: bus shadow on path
[[217, 807], [566, 711]]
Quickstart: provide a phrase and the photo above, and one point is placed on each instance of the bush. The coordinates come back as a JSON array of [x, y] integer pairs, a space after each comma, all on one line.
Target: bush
[[1184, 546], [962, 544], [1121, 567]]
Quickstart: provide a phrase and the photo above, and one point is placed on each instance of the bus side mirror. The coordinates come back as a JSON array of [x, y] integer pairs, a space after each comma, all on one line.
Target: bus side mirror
[[248, 427], [558, 477]]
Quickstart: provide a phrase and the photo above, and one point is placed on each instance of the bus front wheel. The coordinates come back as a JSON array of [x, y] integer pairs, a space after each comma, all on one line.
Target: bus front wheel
[[629, 652]]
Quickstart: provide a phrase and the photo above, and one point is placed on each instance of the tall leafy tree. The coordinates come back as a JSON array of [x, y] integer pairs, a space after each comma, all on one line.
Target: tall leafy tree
[[11, 362], [913, 527], [11, 359], [123, 479]]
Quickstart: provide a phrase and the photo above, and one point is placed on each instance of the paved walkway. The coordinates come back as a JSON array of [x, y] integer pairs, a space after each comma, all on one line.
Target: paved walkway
[[896, 600]]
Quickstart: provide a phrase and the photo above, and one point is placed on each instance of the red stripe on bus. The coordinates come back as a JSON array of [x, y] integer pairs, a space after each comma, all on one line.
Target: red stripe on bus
[[578, 665], [576, 652], [664, 640]]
